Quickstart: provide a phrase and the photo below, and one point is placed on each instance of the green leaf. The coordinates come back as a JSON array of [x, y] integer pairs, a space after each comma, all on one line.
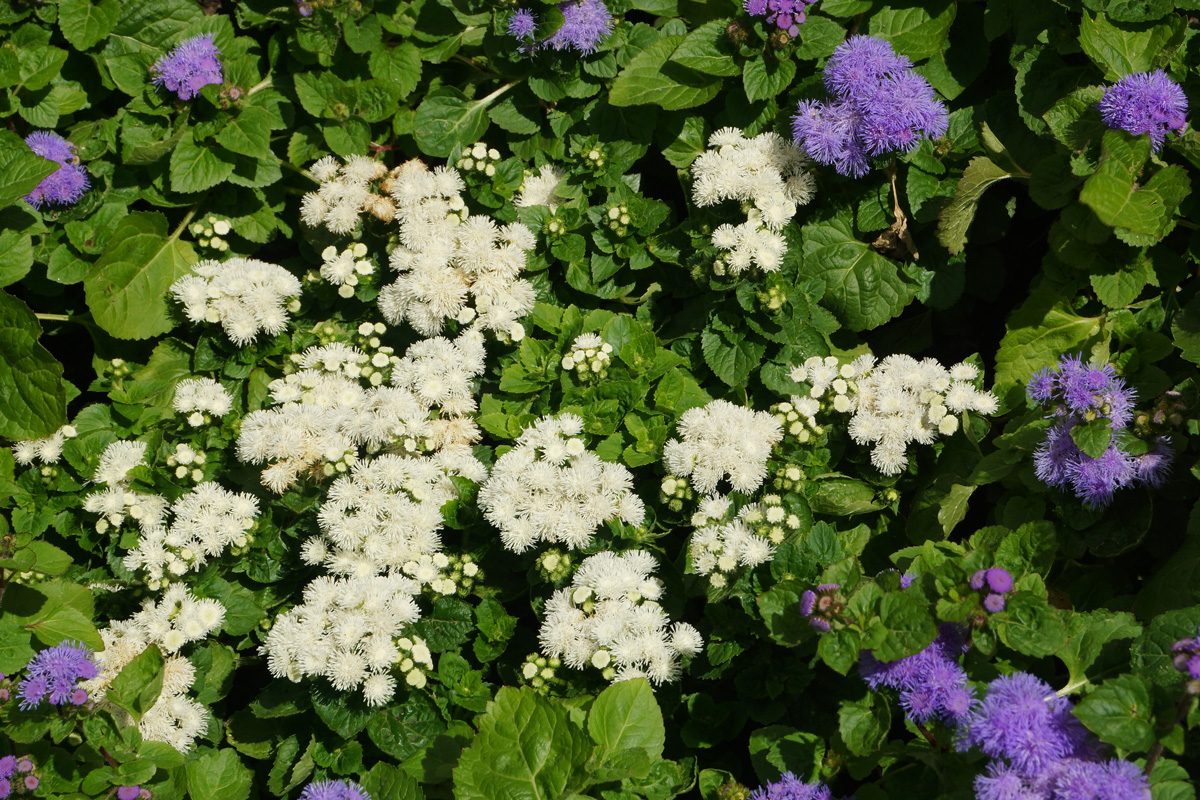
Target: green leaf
[[85, 23], [1119, 50], [16, 256], [402, 730], [916, 29], [1092, 437], [956, 217], [1119, 289], [909, 624], [766, 77], [248, 134], [729, 356], [864, 724], [1043, 328], [218, 775], [1114, 194], [399, 65], [15, 650], [195, 168], [1030, 625], [31, 380], [21, 168], [1151, 655], [863, 288], [1120, 712], [707, 49], [626, 715], [391, 783], [651, 78], [1185, 330], [139, 683], [1086, 636], [843, 497], [527, 748], [447, 118], [129, 288]]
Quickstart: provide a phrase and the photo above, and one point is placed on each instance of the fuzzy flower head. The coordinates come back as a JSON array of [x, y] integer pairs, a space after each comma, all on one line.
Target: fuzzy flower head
[[189, 67], [723, 441], [1145, 103], [65, 185], [245, 295], [931, 683], [786, 15], [586, 23], [334, 790], [792, 787], [53, 674], [522, 24]]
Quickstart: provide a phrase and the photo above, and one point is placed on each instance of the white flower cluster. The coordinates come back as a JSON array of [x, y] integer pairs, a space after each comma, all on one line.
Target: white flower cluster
[[324, 413], [767, 174], [897, 401], [723, 440], [209, 232], [798, 417], [609, 618], [539, 189], [201, 399], [245, 295], [551, 488], [115, 502], [342, 268], [187, 462], [345, 193], [387, 513], [178, 618], [589, 356], [354, 631], [479, 158], [721, 546], [205, 521], [453, 265], [46, 450]]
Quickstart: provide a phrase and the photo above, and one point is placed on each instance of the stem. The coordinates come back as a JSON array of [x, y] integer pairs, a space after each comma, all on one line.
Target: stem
[[1181, 710], [924, 732], [289, 166], [487, 101], [263, 84], [55, 317], [187, 218], [474, 64]]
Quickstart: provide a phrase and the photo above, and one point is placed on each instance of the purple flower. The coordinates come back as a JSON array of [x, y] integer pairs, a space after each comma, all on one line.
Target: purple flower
[[53, 673], [65, 185], [860, 64], [791, 787], [787, 15], [1002, 782], [1055, 456], [31, 782], [901, 112], [522, 24], [128, 792], [1145, 102], [586, 23], [829, 134], [192, 65], [978, 579], [334, 790], [1041, 385], [931, 683], [1095, 479], [906, 580], [999, 580], [808, 601], [994, 603], [303, 8], [8, 765], [1115, 779], [1151, 468]]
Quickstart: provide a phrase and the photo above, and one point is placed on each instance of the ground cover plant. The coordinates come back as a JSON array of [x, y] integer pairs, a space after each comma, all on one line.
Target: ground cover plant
[[788, 399]]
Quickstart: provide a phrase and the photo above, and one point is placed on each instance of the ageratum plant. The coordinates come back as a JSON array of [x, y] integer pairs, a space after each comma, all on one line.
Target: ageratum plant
[[624, 400]]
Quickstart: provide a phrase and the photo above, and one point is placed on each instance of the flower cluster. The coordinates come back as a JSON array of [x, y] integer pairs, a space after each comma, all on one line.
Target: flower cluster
[[355, 632], [53, 674], [931, 683], [896, 402], [115, 502], [721, 440], [551, 488], [787, 15], [454, 266], [589, 357], [1040, 749], [996, 583], [176, 619], [345, 192], [609, 618], [880, 105], [245, 295], [1185, 655], [539, 189], [210, 231], [1076, 393], [768, 176], [66, 184], [189, 67], [334, 790], [16, 775], [1145, 103], [46, 450], [821, 606], [478, 158], [201, 399], [798, 418], [586, 23], [721, 546], [792, 787], [343, 268]]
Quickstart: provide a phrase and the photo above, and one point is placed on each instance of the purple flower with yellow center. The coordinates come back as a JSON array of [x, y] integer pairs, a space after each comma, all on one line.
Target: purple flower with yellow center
[[334, 790], [189, 67], [53, 673], [65, 185], [1145, 103]]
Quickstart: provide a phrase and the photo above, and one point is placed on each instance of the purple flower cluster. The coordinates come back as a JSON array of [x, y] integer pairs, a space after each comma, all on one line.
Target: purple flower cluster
[[133, 793], [998, 583], [66, 184], [787, 15], [791, 787], [334, 790], [52, 675], [1186, 656], [1077, 392], [586, 23], [879, 106], [931, 683], [16, 773], [821, 605], [1145, 102], [191, 66], [1040, 749]]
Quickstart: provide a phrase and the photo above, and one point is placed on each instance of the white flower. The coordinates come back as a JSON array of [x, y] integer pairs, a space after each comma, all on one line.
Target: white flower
[[538, 190], [245, 295], [116, 461], [202, 394], [722, 440]]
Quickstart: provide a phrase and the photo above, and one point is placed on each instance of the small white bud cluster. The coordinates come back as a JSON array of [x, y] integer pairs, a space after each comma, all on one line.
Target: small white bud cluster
[[589, 357], [356, 633], [343, 268], [209, 232], [798, 418], [539, 189], [721, 440], [555, 565], [676, 491], [609, 618], [896, 402], [444, 574], [541, 672], [618, 219], [245, 295], [188, 462], [201, 399], [345, 193], [479, 158], [722, 546], [46, 450], [768, 175], [551, 488]]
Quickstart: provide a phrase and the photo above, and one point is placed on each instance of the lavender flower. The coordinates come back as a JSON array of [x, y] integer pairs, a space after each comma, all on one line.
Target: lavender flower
[[53, 673], [65, 185], [1145, 102], [902, 111], [192, 65], [860, 64], [1095, 780], [1186, 656], [787, 15], [522, 24], [1151, 468], [12, 768], [128, 792], [334, 790], [792, 787], [586, 23], [931, 683], [821, 606]]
